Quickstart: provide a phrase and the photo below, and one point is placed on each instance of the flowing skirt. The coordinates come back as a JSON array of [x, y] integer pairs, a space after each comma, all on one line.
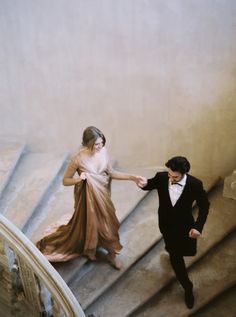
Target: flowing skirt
[[94, 224]]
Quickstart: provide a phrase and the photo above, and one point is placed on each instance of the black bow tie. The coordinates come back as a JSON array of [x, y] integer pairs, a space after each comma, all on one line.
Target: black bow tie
[[177, 184]]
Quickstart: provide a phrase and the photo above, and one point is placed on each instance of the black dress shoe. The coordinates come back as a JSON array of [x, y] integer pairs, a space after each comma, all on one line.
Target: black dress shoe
[[189, 298]]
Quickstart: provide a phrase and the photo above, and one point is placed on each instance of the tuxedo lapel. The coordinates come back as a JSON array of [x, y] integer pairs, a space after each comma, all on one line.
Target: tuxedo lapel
[[166, 184]]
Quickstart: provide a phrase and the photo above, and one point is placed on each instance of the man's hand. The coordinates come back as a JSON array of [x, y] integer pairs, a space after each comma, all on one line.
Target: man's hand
[[194, 234]]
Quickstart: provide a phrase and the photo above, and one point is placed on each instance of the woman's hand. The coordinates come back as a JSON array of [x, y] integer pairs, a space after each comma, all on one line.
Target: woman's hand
[[83, 176]]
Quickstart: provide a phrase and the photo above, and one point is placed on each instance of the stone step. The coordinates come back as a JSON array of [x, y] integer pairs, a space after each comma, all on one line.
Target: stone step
[[222, 305], [10, 154], [60, 207], [214, 273], [141, 223], [28, 185], [153, 272]]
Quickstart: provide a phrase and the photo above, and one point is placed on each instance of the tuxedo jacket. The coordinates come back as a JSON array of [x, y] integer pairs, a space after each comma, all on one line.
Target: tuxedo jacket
[[176, 221]]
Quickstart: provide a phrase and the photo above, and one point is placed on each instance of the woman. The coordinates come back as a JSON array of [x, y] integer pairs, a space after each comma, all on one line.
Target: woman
[[94, 223]]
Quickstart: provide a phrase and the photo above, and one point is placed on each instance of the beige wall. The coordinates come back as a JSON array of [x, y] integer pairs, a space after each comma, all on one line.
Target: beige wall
[[157, 76]]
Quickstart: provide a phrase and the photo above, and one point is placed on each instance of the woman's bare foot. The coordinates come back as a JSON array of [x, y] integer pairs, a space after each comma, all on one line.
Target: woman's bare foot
[[112, 259]]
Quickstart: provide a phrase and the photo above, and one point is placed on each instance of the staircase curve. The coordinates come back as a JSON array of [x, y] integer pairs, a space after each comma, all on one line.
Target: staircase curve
[[32, 197]]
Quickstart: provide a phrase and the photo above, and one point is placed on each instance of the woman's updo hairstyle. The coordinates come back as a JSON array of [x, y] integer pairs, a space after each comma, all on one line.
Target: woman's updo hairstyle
[[90, 135]]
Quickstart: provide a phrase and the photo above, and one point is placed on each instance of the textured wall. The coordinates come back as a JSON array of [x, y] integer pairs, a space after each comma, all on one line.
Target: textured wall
[[158, 77]]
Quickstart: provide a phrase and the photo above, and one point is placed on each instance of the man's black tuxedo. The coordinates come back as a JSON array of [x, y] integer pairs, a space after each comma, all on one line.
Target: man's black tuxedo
[[176, 221]]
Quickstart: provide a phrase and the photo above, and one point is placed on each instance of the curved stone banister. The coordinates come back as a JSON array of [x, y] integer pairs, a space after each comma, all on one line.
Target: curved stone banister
[[37, 278]]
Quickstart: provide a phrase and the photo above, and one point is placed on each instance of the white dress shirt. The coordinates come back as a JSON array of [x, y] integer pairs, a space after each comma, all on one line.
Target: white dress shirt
[[176, 190]]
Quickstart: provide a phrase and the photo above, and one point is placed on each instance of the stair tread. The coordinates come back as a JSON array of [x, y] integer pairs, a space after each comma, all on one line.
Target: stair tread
[[102, 274], [28, 184], [223, 305], [102, 289], [209, 280], [152, 272], [10, 153]]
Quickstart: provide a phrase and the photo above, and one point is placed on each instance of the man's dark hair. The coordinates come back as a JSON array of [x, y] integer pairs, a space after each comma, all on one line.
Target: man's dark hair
[[178, 164]]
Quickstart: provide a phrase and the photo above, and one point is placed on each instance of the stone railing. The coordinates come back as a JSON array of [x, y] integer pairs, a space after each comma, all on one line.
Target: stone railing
[[29, 284]]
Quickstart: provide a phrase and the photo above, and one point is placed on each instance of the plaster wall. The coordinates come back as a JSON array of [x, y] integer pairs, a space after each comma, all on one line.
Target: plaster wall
[[157, 77]]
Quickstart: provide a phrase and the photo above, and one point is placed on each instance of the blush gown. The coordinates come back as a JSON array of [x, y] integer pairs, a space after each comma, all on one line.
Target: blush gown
[[94, 223]]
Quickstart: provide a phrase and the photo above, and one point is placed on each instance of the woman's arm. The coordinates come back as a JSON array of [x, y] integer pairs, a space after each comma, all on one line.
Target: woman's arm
[[125, 176], [69, 179], [121, 175]]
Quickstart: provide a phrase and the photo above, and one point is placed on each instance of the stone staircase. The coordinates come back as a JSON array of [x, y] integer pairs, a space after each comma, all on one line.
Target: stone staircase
[[32, 197]]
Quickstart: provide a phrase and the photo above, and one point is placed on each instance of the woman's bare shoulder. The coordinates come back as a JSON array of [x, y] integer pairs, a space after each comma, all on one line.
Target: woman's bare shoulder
[[77, 156]]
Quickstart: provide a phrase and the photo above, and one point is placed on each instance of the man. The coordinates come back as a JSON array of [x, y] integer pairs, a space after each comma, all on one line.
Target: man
[[177, 192]]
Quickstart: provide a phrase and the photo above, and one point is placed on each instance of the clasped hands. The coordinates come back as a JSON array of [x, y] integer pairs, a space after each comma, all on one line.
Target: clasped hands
[[140, 181]]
